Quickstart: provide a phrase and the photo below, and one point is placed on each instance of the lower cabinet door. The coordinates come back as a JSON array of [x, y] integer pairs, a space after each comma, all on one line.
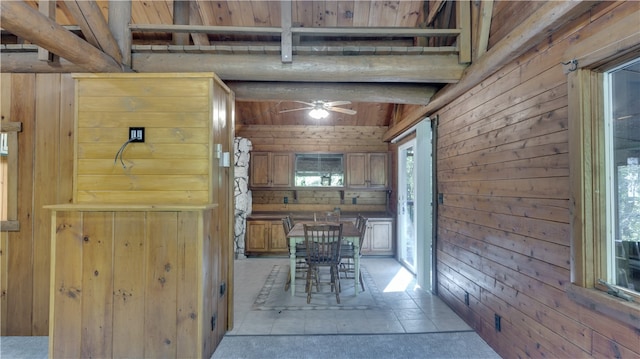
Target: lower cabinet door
[[378, 238], [257, 237]]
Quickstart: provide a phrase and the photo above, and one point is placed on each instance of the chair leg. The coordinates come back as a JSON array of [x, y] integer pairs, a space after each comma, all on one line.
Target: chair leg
[[308, 285], [317, 276], [286, 285], [361, 282], [336, 283]]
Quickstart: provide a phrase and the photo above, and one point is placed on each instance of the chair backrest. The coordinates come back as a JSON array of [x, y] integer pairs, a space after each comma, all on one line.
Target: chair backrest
[[287, 224], [323, 243]]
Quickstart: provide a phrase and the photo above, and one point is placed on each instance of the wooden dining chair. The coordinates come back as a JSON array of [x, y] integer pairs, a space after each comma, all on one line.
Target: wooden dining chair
[[301, 252], [347, 264], [323, 244]]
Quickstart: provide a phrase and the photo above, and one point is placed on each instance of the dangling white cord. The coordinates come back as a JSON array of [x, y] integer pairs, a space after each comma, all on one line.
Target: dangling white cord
[[121, 151]]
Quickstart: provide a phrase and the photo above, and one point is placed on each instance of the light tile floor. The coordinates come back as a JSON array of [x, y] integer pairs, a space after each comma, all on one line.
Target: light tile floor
[[408, 309]]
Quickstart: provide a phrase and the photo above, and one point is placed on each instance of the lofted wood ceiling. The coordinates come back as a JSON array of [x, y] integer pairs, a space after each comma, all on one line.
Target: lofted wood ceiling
[[368, 45]]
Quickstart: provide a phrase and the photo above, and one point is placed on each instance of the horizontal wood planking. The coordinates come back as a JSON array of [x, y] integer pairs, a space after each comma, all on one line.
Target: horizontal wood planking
[[150, 197], [144, 166], [319, 197], [504, 235], [159, 135], [155, 119], [177, 114], [143, 182], [507, 15], [312, 208], [153, 87], [315, 138]]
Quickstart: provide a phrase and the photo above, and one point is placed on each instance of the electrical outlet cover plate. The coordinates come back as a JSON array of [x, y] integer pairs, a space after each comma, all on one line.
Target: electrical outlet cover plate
[[136, 134]]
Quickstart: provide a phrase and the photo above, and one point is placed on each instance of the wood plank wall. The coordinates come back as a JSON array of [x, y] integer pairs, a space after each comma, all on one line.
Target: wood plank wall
[[151, 273], [314, 138], [172, 165], [503, 229], [44, 103]]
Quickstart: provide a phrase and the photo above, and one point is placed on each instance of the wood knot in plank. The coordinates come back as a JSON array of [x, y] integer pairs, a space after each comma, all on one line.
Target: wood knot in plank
[[62, 227]]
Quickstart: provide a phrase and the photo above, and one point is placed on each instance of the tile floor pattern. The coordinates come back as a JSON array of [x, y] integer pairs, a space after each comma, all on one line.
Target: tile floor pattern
[[407, 309]]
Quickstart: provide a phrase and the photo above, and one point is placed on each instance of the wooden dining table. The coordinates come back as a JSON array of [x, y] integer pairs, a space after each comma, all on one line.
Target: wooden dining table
[[349, 234]]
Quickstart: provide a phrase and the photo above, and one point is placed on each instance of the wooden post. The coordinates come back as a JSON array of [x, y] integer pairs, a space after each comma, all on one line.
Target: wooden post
[[48, 9], [180, 17], [286, 41], [463, 19], [119, 18]]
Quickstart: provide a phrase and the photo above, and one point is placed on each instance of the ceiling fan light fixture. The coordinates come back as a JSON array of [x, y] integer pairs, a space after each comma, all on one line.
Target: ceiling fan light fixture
[[318, 113]]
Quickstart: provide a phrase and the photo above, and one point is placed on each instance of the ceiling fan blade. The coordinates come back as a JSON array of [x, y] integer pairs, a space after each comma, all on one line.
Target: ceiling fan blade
[[337, 103], [295, 109], [343, 110], [306, 103]]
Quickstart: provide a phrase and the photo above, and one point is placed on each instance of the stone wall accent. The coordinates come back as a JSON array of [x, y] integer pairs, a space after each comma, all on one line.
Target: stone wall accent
[[241, 149]]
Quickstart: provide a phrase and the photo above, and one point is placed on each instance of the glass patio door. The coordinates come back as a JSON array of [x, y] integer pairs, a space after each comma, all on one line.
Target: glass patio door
[[407, 250]]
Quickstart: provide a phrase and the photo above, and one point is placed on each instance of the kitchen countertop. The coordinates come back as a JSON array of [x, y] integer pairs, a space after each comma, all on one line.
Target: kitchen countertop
[[309, 215]]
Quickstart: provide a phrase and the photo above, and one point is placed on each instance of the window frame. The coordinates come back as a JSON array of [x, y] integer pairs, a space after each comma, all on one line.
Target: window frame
[[587, 176], [11, 223]]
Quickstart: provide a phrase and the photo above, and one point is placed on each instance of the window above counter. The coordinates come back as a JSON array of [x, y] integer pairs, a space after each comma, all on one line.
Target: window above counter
[[319, 170]]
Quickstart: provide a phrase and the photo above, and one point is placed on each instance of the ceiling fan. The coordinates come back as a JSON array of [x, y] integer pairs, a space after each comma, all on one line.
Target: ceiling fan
[[320, 109]]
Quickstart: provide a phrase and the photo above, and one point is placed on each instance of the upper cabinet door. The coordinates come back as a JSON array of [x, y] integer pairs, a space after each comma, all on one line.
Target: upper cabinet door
[[281, 169], [270, 169], [356, 170], [378, 170], [367, 170], [259, 175]]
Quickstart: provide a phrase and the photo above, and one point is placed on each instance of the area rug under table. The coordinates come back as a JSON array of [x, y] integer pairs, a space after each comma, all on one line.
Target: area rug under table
[[272, 296]]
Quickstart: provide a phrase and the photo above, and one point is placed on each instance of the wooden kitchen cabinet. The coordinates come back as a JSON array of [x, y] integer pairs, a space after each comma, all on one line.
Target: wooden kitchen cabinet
[[265, 237], [367, 170], [378, 237], [271, 169]]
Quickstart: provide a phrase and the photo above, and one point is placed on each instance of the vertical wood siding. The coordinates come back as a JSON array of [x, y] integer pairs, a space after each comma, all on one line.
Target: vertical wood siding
[[503, 229], [151, 274], [44, 104]]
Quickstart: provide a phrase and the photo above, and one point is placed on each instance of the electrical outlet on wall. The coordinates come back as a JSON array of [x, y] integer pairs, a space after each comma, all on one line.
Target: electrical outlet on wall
[[136, 134]]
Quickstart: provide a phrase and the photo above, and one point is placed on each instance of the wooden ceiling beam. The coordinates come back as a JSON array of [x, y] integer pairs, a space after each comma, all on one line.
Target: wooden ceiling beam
[[94, 27], [27, 62], [355, 92], [195, 18], [303, 31], [22, 20], [548, 18], [362, 68]]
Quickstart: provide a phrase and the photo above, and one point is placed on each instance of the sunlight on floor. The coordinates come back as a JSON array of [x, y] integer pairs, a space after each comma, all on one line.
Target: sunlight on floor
[[400, 281]]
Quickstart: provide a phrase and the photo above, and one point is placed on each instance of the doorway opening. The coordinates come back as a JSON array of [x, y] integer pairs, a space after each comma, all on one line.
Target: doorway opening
[[406, 229]]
